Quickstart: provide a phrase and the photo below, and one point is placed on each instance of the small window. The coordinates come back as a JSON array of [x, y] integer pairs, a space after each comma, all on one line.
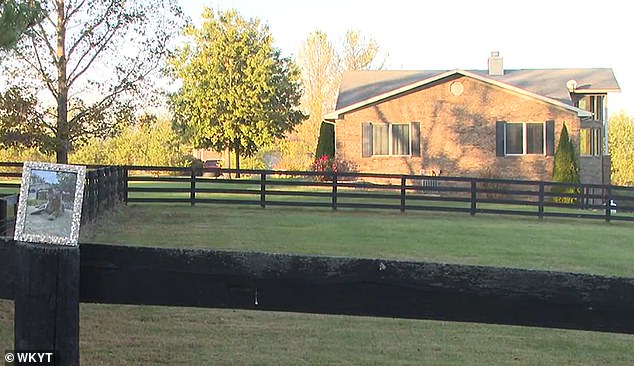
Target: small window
[[524, 139], [590, 141], [400, 139], [387, 139]]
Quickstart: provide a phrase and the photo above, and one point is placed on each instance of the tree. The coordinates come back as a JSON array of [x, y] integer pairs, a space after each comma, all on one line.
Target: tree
[[150, 141], [322, 69], [621, 146], [237, 91], [565, 167], [360, 53], [326, 142], [94, 59], [16, 17], [321, 75]]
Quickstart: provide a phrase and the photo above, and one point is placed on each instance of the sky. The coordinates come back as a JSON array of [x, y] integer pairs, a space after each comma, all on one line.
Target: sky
[[461, 34]]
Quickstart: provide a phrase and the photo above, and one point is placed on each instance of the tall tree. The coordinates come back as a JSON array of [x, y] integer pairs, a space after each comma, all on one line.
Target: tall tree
[[16, 17], [237, 91], [621, 145], [565, 167], [360, 53], [322, 68], [93, 58], [321, 75]]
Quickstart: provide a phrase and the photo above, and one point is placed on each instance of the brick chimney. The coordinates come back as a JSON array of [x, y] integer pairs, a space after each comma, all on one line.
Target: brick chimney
[[496, 64]]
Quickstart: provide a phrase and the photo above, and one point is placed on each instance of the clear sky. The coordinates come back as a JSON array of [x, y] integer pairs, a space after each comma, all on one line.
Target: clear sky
[[460, 34]]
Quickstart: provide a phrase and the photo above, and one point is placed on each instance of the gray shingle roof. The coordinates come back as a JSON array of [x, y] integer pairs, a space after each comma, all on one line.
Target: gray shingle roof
[[357, 86]]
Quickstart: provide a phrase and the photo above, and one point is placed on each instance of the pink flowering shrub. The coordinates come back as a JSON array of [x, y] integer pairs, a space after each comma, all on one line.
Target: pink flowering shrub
[[329, 165]]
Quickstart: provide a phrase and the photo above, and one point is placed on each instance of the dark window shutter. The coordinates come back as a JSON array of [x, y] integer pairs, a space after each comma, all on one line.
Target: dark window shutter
[[550, 138], [499, 138], [415, 133], [366, 138]]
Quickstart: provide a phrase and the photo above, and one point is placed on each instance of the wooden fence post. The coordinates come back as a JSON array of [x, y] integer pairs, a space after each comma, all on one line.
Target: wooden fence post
[[403, 181], [125, 184], [474, 198], [608, 203], [540, 204], [334, 192], [192, 187], [263, 190], [47, 300], [3, 218]]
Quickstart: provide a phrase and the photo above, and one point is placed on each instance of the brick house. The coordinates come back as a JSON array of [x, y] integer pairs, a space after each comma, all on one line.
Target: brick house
[[463, 123]]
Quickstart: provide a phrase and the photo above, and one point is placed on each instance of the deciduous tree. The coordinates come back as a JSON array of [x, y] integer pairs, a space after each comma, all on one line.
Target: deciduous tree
[[621, 146], [237, 91], [93, 58]]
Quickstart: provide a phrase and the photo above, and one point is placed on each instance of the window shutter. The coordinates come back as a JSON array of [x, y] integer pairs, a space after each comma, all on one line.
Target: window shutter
[[415, 134], [499, 138], [366, 137], [550, 138]]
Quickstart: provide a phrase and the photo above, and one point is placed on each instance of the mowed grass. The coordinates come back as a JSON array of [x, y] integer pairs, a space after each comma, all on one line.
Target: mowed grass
[[552, 244], [148, 335]]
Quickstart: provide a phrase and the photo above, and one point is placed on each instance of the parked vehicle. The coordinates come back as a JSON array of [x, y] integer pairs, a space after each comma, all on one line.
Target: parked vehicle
[[211, 168]]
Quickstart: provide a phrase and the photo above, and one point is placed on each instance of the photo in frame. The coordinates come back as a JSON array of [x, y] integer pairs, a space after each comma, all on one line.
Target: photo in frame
[[49, 208]]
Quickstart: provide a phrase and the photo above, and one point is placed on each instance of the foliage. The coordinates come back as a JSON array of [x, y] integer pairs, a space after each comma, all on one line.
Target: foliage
[[21, 125], [330, 165], [237, 91], [360, 53], [16, 17], [94, 59], [150, 141], [565, 168], [621, 146], [322, 68], [326, 142]]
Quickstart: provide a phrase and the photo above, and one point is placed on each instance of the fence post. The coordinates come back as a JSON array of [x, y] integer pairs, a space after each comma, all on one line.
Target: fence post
[[608, 203], [474, 196], [47, 300], [403, 181], [334, 192], [192, 187], [540, 204], [263, 190], [125, 185], [4, 223]]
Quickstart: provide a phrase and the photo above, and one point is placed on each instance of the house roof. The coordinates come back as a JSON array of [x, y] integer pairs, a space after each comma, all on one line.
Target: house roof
[[360, 88]]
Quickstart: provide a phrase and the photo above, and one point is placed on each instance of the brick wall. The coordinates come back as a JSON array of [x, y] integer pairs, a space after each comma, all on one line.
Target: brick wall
[[457, 132]]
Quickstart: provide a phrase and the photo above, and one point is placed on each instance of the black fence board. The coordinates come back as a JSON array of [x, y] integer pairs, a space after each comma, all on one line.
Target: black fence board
[[333, 285]]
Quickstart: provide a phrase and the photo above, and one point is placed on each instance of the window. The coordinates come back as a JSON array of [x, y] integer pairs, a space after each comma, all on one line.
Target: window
[[590, 141], [390, 139], [594, 104], [524, 138]]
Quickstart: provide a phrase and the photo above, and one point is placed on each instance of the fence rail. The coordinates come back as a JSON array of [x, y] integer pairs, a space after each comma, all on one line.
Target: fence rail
[[116, 274]]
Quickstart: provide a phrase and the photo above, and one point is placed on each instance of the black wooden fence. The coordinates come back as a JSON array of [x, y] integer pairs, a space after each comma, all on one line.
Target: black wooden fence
[[381, 191], [108, 185]]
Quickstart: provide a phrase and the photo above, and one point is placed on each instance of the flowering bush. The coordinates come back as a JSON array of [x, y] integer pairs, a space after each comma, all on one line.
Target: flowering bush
[[329, 165]]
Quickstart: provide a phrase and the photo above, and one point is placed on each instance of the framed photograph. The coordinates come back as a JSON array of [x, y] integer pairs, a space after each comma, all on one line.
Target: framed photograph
[[49, 208]]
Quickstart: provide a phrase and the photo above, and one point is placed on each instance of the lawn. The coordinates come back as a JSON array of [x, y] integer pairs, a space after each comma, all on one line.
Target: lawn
[[143, 335]]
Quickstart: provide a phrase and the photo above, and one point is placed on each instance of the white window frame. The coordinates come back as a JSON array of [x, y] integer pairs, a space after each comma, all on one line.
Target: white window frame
[[595, 136], [391, 138], [524, 138]]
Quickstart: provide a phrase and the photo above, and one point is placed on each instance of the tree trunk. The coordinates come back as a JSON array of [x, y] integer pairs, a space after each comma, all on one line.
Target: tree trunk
[[237, 148], [61, 138]]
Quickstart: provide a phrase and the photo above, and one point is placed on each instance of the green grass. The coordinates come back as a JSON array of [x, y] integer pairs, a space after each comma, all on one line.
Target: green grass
[[148, 335], [553, 244]]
